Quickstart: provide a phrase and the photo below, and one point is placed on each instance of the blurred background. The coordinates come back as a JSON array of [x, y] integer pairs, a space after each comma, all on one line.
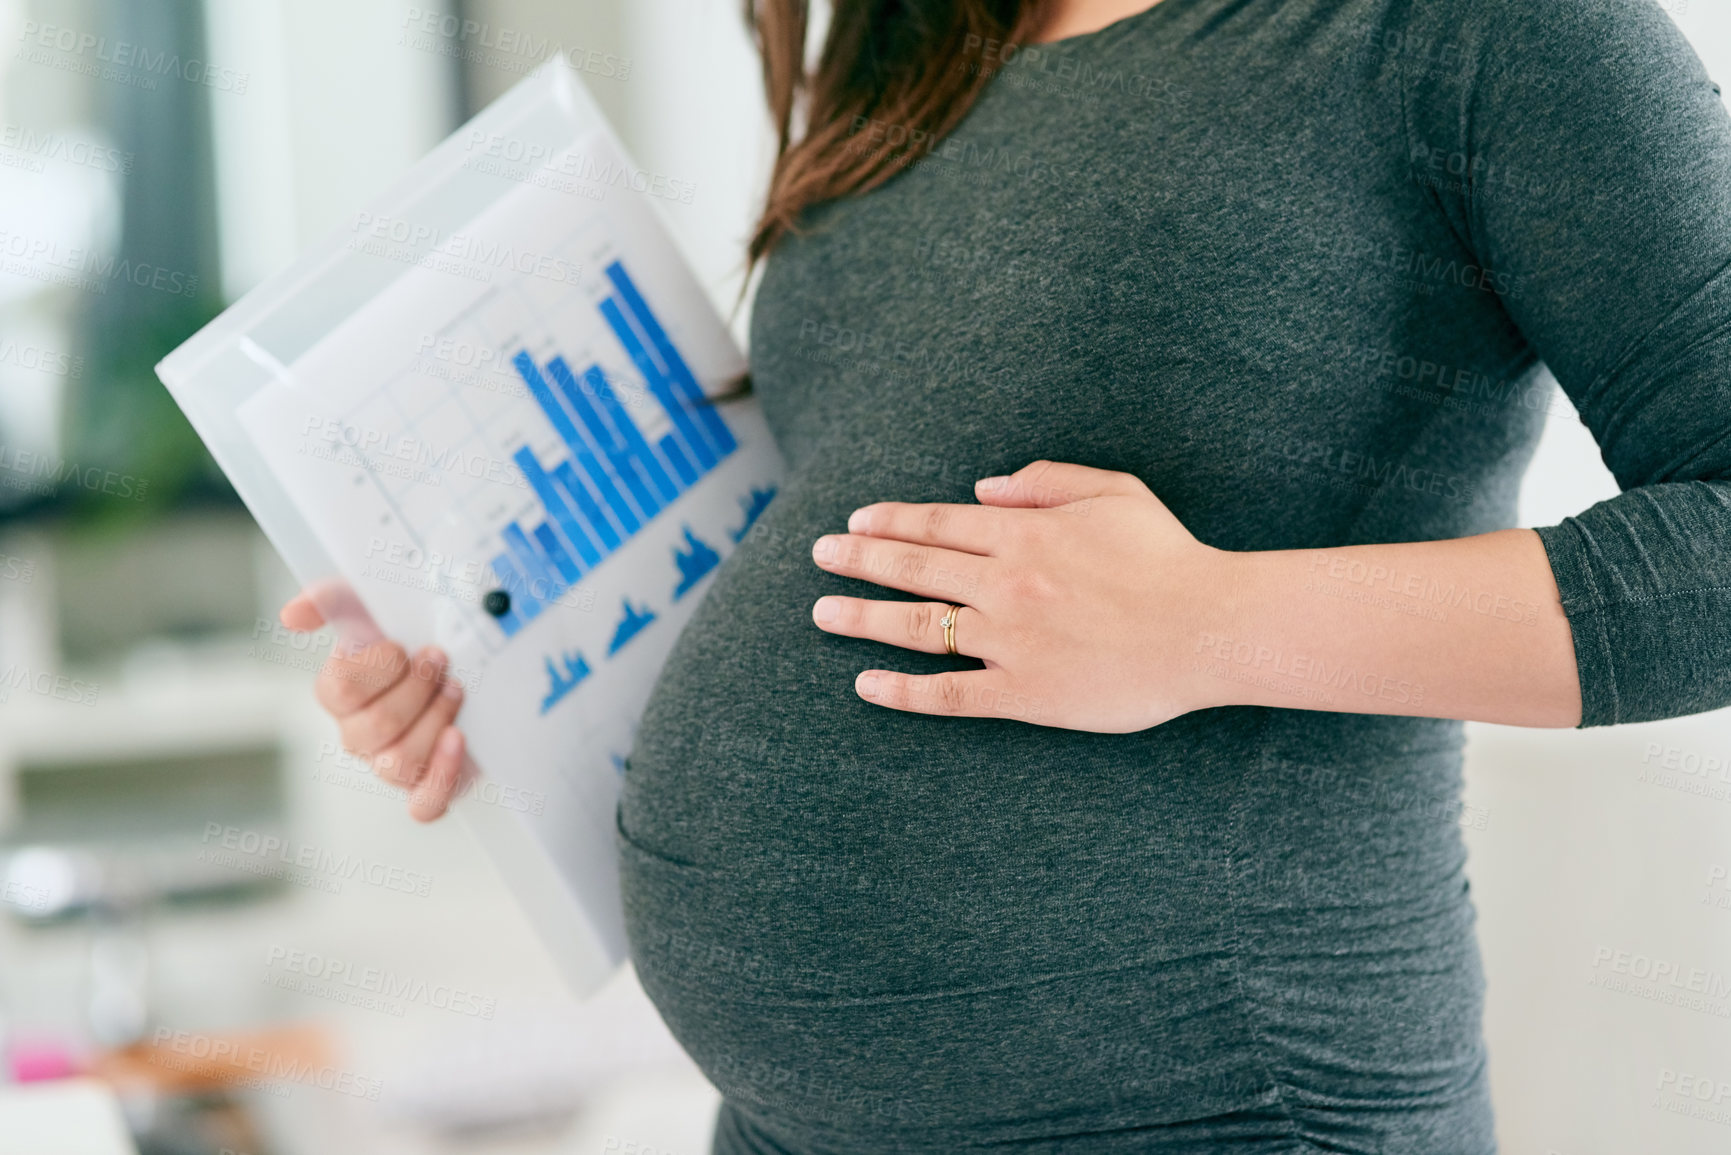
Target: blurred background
[[158, 158]]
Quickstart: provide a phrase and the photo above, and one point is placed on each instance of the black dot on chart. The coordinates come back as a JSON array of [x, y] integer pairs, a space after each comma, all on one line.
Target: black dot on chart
[[497, 603]]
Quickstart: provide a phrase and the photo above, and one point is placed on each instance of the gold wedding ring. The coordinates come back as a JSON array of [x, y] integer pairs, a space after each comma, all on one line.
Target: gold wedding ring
[[949, 624]]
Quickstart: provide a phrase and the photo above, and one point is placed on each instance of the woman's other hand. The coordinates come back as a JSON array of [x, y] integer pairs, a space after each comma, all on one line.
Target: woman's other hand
[[395, 709]]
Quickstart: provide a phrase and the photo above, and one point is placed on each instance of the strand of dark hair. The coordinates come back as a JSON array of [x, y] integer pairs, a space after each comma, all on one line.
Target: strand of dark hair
[[908, 69]]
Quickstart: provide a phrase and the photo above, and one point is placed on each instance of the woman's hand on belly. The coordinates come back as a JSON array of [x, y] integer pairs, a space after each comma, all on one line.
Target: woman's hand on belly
[[1080, 591]]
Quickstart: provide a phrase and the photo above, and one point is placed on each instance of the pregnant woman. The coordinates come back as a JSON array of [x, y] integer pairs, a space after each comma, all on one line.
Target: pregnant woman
[[1069, 761]]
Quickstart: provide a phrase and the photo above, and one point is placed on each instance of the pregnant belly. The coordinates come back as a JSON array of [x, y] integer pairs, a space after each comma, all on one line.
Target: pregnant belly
[[867, 919], [757, 762]]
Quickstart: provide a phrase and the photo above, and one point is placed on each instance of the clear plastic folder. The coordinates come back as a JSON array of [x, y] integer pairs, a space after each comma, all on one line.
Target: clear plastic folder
[[479, 417]]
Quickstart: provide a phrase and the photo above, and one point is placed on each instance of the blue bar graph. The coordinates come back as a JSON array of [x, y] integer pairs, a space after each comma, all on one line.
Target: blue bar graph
[[567, 477], [555, 504], [617, 454], [634, 443], [671, 362], [539, 570], [670, 450], [611, 480], [658, 384], [550, 546]]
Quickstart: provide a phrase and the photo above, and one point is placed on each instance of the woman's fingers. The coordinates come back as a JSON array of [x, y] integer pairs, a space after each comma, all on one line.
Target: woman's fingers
[[969, 528], [335, 602], [405, 761], [351, 679], [918, 569], [1045, 484], [433, 794], [910, 625], [973, 694], [393, 711], [384, 719], [300, 614]]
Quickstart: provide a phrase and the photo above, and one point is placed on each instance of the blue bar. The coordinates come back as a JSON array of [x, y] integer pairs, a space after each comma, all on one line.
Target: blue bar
[[562, 560], [677, 369], [659, 385], [573, 485], [622, 511], [525, 366], [676, 458], [523, 607], [555, 503], [535, 567], [616, 455], [634, 443], [600, 440]]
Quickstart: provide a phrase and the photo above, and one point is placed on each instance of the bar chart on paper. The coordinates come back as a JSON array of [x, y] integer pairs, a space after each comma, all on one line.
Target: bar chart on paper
[[569, 496], [612, 479]]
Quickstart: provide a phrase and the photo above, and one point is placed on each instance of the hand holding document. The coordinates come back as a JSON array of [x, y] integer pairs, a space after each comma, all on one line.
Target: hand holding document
[[479, 419]]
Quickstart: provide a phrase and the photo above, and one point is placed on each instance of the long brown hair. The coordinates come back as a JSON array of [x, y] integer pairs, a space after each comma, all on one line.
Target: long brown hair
[[906, 70]]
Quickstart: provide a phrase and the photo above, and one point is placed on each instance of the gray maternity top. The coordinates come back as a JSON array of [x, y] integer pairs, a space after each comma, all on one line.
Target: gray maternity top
[[1297, 264]]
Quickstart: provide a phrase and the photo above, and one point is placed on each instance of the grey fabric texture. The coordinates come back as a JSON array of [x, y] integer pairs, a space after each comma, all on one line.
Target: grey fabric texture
[[1300, 266]]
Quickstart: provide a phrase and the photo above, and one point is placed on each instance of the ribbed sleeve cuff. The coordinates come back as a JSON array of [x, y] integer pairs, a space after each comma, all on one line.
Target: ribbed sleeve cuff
[[1565, 546]]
